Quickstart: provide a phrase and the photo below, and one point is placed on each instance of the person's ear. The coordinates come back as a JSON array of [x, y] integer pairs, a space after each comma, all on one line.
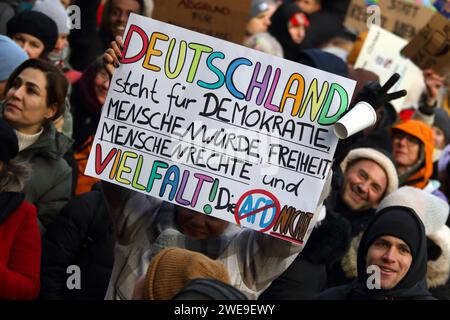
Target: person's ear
[[51, 111]]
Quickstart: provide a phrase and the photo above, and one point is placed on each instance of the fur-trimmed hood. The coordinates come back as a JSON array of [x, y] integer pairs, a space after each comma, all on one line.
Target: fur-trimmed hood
[[438, 266]]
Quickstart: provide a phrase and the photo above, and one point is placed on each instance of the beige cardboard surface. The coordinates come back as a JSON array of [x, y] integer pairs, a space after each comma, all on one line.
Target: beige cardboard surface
[[402, 18], [217, 18]]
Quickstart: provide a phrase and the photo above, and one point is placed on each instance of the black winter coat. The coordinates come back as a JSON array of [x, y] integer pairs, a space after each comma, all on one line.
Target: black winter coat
[[81, 235], [306, 277]]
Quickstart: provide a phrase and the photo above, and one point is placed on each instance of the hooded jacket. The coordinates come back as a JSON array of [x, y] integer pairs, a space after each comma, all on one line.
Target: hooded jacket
[[279, 29], [420, 177], [403, 223]]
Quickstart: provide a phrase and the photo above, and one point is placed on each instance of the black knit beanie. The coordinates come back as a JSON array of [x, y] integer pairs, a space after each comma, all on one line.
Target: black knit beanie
[[36, 24], [403, 223]]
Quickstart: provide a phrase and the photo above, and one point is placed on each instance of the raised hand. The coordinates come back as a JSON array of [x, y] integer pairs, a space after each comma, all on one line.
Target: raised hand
[[377, 96], [112, 55]]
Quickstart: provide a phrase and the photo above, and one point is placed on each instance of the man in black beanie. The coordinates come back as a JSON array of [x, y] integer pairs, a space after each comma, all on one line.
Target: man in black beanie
[[392, 260], [34, 31]]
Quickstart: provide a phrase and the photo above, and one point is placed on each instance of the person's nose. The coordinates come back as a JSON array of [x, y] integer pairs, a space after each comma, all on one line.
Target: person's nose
[[105, 84], [403, 141], [26, 48], [390, 255], [123, 17], [18, 93], [363, 187], [302, 33]]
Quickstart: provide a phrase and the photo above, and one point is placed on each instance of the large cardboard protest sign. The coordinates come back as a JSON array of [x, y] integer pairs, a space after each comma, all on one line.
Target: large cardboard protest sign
[[219, 128], [431, 47], [402, 18], [221, 19], [381, 55]]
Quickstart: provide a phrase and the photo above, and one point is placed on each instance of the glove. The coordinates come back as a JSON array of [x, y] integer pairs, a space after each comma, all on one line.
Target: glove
[[377, 95]]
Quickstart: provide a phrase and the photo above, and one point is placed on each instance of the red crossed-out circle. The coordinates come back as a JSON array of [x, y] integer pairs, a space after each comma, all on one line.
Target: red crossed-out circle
[[275, 204]]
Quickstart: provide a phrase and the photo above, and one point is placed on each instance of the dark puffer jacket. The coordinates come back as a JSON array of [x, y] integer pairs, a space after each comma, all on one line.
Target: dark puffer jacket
[[81, 235]]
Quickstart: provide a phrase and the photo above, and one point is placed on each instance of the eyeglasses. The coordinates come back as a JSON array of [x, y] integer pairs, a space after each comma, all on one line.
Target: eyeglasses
[[400, 135]]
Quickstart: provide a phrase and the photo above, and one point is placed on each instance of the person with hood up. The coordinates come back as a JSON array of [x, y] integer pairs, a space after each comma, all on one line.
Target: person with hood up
[[35, 94], [391, 260], [434, 213], [20, 247], [35, 32], [412, 149], [288, 26]]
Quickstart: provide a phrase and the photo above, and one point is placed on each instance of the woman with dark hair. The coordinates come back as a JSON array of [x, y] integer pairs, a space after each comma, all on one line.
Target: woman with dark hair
[[35, 94], [288, 26], [20, 245]]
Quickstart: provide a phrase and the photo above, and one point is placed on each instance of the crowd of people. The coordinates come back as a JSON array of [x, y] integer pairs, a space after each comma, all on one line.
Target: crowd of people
[[383, 228]]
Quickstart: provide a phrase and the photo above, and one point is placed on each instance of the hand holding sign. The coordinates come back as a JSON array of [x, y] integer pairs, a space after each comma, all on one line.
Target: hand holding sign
[[112, 55], [377, 96]]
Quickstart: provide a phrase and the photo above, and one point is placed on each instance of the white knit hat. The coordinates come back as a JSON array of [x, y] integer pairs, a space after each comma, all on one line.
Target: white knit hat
[[432, 210], [56, 11], [380, 158]]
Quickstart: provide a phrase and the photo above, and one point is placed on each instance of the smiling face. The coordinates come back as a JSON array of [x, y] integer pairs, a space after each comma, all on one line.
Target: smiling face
[[120, 11], [393, 256], [30, 44], [198, 225], [26, 106], [364, 185]]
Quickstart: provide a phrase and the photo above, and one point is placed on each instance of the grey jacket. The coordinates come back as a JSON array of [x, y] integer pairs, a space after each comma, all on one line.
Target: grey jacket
[[49, 187]]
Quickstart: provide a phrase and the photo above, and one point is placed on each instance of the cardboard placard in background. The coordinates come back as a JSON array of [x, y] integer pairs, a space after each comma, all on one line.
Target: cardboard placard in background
[[219, 128], [400, 17], [381, 55], [430, 48], [225, 20]]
